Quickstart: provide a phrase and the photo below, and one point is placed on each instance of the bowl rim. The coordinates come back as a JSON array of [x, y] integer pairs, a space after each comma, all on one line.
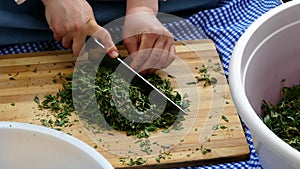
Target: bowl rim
[[82, 146], [251, 119]]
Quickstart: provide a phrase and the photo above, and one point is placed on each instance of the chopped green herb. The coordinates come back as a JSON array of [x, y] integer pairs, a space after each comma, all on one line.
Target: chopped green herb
[[283, 118], [165, 146], [122, 160], [54, 80], [157, 159], [205, 151], [204, 76], [215, 127], [223, 127], [13, 77], [138, 161], [34, 70], [62, 103], [225, 118], [36, 100], [163, 155], [146, 147], [171, 76]]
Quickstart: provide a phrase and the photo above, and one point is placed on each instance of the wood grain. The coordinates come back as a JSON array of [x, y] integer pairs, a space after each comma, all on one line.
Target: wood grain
[[33, 74]]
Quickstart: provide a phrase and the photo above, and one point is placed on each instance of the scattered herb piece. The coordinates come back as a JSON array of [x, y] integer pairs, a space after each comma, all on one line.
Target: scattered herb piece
[[146, 147], [165, 146], [215, 127], [204, 76], [157, 159], [13, 77], [223, 127], [163, 155], [171, 76], [138, 161], [34, 70], [205, 151], [36, 100], [54, 80], [122, 160], [225, 118]]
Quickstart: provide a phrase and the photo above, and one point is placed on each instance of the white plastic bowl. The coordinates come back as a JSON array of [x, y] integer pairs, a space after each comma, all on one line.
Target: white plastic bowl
[[268, 52], [28, 146]]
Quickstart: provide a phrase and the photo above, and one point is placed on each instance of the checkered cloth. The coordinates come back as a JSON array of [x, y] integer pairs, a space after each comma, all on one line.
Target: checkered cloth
[[224, 25]]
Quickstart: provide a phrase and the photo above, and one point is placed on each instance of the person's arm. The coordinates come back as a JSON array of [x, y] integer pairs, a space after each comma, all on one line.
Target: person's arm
[[148, 42], [72, 21]]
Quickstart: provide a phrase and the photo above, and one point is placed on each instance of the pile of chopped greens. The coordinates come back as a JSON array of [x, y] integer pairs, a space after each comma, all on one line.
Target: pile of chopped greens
[[105, 114], [284, 118]]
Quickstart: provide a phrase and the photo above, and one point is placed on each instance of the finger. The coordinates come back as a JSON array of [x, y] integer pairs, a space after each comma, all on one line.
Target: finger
[[58, 31], [151, 71], [170, 48], [171, 56], [78, 43], [57, 37], [157, 57], [167, 57], [147, 43], [107, 41], [131, 44], [66, 41]]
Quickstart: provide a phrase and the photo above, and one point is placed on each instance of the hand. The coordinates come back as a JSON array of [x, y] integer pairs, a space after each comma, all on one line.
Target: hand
[[72, 21], [149, 43]]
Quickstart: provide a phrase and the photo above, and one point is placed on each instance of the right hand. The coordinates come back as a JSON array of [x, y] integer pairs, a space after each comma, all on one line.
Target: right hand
[[72, 21]]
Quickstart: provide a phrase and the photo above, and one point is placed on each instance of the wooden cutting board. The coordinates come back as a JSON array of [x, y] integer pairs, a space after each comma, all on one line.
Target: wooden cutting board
[[212, 124]]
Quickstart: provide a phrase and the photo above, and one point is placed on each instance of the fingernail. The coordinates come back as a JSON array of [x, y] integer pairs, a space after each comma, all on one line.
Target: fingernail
[[114, 54]]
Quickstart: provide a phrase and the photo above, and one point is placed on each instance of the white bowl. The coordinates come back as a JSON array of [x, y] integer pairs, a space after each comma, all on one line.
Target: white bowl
[[268, 52], [28, 146]]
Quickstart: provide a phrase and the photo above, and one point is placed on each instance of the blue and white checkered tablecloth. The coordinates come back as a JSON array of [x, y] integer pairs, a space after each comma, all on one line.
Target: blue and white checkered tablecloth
[[224, 25]]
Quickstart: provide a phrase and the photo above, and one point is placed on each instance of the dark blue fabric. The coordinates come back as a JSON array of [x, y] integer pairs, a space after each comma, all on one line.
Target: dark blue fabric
[[27, 23], [23, 23]]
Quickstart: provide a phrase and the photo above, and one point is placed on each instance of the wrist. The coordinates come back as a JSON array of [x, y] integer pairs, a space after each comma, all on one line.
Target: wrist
[[140, 10], [142, 6]]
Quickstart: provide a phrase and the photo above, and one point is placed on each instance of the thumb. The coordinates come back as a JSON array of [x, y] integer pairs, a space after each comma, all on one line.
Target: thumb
[[104, 36]]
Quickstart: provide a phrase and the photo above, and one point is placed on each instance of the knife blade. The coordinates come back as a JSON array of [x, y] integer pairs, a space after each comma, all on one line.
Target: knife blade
[[160, 96]]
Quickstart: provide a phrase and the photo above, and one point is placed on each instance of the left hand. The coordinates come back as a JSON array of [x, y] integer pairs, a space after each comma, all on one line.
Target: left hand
[[149, 43]]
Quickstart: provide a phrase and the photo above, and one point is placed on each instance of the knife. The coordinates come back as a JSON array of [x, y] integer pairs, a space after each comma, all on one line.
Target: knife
[[158, 94]]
